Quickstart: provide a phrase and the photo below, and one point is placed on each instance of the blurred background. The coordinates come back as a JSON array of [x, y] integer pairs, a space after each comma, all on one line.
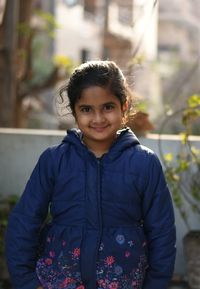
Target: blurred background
[[157, 46]]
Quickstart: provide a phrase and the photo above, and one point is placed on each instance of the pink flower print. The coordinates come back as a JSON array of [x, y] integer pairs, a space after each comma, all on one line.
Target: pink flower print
[[66, 281], [134, 283], [102, 283], [52, 254], [113, 285], [80, 287], [110, 260], [48, 261], [76, 252], [127, 254]]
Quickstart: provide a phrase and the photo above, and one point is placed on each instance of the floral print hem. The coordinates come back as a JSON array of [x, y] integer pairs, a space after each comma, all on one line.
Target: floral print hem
[[61, 272], [59, 267], [111, 275]]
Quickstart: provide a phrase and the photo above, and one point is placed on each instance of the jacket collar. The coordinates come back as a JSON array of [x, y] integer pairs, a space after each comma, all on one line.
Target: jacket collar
[[126, 138]]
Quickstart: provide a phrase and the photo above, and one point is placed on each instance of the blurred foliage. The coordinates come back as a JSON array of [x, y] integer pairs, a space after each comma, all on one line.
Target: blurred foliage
[[36, 54], [64, 62], [49, 22], [6, 205], [182, 170], [141, 106]]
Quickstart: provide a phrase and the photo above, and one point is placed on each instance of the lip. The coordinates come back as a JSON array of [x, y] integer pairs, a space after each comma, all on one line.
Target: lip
[[99, 128]]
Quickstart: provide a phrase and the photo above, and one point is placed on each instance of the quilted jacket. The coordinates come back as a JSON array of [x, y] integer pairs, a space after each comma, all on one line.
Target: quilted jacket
[[112, 220]]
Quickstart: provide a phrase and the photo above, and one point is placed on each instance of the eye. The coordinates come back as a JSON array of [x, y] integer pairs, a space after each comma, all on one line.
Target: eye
[[85, 109], [109, 106]]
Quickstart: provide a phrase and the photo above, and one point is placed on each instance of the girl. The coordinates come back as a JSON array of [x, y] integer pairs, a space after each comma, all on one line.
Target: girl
[[112, 217]]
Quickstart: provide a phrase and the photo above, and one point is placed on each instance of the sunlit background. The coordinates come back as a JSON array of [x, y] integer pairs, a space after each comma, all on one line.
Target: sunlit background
[[156, 44]]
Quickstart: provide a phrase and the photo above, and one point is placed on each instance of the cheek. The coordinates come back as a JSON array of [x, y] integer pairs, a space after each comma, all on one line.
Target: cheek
[[117, 117], [81, 120]]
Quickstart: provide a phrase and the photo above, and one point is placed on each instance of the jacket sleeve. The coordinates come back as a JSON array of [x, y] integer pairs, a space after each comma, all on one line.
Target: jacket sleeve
[[25, 222], [159, 226]]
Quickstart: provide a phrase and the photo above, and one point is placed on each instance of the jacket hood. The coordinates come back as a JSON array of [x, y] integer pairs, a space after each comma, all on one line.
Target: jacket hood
[[126, 138]]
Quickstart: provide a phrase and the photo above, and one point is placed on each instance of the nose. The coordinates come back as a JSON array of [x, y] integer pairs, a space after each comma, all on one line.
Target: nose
[[98, 117]]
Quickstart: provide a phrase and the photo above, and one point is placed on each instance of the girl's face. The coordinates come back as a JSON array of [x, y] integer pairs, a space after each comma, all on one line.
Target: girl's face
[[99, 115]]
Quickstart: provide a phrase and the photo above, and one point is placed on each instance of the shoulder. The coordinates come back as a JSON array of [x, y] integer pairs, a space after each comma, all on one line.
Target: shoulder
[[146, 167], [144, 154], [55, 151], [143, 159], [52, 156], [143, 151]]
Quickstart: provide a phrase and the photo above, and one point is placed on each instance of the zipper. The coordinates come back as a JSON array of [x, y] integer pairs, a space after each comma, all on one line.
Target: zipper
[[99, 193], [92, 282], [99, 207]]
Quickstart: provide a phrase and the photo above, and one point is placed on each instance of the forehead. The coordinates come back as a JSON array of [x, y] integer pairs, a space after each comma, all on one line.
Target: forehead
[[96, 95]]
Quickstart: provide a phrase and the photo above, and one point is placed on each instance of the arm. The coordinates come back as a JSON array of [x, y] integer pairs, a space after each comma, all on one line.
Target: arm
[[159, 227], [25, 223]]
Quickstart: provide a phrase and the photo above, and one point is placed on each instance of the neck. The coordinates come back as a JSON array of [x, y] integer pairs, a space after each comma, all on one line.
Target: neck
[[98, 148]]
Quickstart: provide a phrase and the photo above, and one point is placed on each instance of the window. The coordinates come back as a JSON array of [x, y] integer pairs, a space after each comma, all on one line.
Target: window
[[85, 55], [125, 13], [168, 48], [71, 3], [106, 53], [90, 6]]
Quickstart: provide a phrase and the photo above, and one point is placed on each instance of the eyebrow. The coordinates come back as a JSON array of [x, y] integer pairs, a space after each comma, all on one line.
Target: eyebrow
[[88, 105]]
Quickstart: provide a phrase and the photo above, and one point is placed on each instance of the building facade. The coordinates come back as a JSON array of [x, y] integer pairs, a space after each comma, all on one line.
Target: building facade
[[95, 29], [179, 49]]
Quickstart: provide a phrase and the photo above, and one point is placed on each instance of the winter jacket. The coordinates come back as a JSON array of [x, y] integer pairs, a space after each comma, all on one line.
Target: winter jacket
[[112, 220]]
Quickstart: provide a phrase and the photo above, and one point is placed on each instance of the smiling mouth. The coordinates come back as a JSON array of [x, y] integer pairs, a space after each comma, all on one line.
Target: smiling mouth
[[99, 129]]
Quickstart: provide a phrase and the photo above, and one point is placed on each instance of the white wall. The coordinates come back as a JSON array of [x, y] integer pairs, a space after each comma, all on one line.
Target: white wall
[[145, 26], [20, 149]]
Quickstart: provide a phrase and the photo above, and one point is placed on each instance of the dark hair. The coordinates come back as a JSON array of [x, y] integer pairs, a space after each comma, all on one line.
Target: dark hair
[[105, 74]]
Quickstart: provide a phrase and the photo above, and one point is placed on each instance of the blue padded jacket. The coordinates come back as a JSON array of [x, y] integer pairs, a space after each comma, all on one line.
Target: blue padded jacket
[[112, 221]]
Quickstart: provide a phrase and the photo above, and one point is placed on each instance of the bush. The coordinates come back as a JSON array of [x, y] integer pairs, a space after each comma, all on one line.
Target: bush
[[6, 205]]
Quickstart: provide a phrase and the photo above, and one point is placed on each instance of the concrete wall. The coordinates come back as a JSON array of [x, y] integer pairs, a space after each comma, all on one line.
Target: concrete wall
[[20, 149]]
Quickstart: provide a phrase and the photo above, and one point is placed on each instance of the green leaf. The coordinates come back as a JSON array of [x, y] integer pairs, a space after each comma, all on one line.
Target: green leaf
[[195, 151], [48, 18], [184, 137], [183, 165], [168, 157], [24, 28], [141, 106], [194, 101], [177, 199]]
